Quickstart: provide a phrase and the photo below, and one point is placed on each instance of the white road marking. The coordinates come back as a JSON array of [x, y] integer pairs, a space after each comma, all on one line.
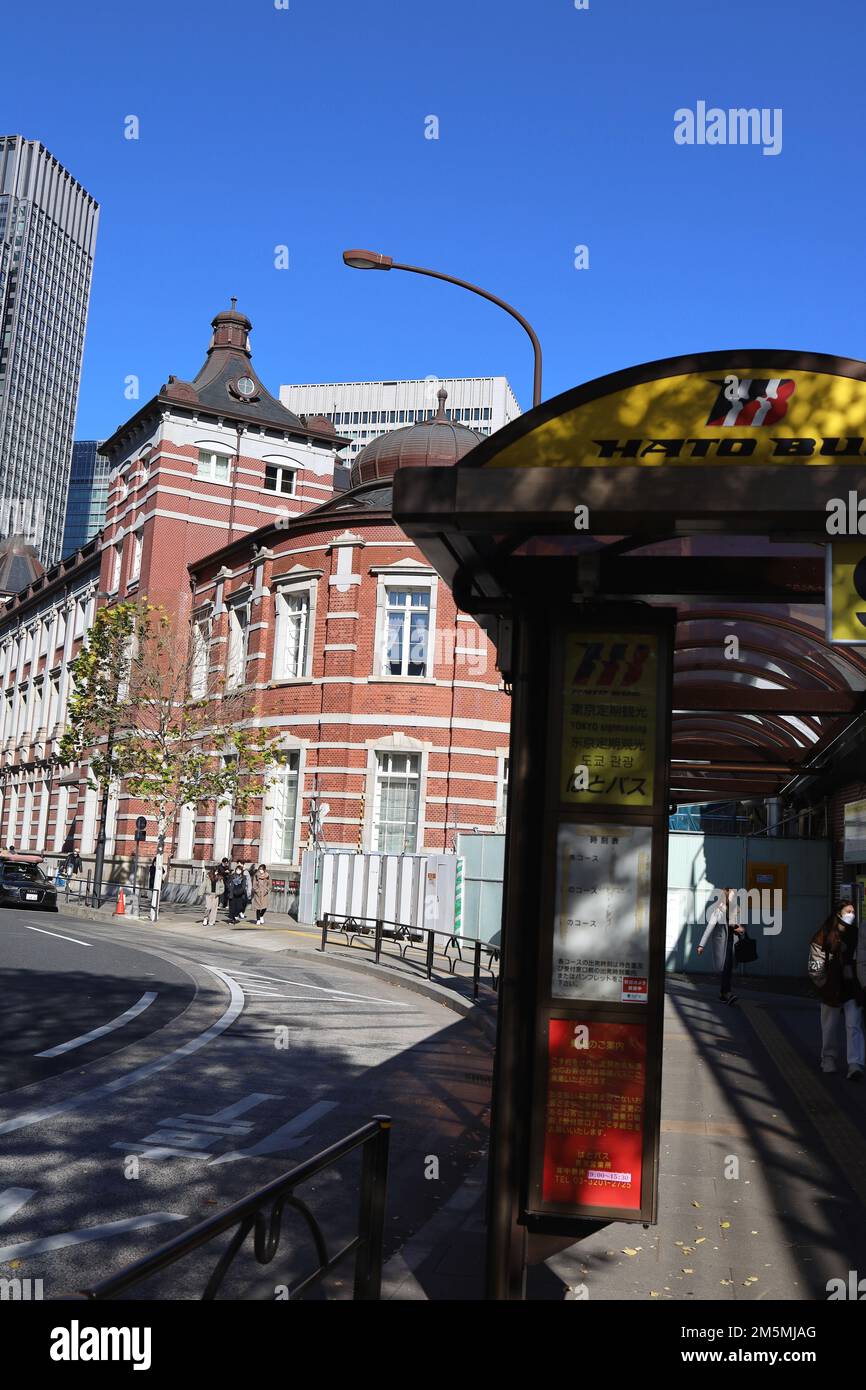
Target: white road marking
[[288, 1136], [12, 1200], [132, 1078], [43, 1244], [58, 935], [298, 984], [144, 1002]]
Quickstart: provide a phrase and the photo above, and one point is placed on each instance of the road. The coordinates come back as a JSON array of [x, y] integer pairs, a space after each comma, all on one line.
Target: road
[[183, 1073]]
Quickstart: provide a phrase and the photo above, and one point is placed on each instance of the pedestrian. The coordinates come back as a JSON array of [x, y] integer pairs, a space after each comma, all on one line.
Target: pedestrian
[[211, 883], [224, 872], [723, 925], [248, 885], [151, 874], [237, 893], [833, 972], [261, 892]]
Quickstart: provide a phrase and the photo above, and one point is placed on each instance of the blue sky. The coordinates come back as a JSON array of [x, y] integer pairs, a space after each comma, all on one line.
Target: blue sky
[[305, 127]]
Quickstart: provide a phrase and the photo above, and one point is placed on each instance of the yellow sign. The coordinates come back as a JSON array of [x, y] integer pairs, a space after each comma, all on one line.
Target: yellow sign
[[609, 719], [845, 591], [768, 877], [731, 412]]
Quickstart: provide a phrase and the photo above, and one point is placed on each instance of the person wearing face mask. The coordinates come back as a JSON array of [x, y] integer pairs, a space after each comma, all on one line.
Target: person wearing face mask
[[833, 972]]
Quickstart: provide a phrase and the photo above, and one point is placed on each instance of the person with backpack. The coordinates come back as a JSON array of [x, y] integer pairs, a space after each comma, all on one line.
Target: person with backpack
[[237, 893], [834, 975], [723, 926], [261, 892]]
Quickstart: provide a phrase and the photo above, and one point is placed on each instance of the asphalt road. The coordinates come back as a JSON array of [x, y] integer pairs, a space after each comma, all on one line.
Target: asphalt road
[[185, 1074]]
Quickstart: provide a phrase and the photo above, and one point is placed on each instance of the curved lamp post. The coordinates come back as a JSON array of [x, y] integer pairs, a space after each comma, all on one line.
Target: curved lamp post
[[373, 260]]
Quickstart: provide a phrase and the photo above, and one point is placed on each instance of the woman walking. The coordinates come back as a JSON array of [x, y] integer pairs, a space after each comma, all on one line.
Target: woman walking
[[237, 894], [211, 883], [833, 972], [261, 892], [723, 925]]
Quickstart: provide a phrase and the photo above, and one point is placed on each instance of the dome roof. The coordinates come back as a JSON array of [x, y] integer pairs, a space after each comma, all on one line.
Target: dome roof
[[436, 443]]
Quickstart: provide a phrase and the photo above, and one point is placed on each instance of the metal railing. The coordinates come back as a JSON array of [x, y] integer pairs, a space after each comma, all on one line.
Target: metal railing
[[408, 938], [261, 1214]]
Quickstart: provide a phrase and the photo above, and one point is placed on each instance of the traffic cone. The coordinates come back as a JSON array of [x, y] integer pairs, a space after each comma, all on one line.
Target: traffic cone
[[120, 909]]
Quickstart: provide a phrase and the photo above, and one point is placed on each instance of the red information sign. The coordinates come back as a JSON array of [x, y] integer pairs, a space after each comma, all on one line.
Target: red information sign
[[593, 1138]]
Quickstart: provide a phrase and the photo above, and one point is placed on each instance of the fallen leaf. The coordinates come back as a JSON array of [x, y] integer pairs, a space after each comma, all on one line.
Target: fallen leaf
[[725, 1225], [696, 1204], [688, 1271], [628, 1251], [700, 1240]]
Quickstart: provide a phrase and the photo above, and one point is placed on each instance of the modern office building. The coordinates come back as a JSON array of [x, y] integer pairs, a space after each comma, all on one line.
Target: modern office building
[[48, 225], [88, 494], [363, 410]]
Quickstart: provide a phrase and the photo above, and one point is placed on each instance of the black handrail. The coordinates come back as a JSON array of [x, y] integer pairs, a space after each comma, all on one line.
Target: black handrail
[[343, 922], [250, 1215]]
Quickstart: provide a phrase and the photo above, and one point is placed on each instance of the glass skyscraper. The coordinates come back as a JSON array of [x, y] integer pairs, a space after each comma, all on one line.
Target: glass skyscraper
[[48, 226], [88, 494]]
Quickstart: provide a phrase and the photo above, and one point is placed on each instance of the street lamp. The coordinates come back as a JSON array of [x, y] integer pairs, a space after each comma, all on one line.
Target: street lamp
[[374, 260]]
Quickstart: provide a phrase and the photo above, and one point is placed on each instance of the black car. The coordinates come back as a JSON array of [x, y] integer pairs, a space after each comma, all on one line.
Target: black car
[[25, 885]]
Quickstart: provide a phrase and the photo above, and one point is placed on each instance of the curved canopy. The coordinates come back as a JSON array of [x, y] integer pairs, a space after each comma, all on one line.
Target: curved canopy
[[703, 482]]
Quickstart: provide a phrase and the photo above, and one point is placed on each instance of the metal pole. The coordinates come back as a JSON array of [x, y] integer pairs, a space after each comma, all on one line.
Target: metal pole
[[374, 1184], [374, 261], [502, 304]]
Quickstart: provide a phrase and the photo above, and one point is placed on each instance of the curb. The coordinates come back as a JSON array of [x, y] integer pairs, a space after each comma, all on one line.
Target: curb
[[477, 1014]]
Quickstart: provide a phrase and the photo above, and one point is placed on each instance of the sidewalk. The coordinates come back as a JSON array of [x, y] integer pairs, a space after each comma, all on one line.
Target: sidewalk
[[762, 1190]]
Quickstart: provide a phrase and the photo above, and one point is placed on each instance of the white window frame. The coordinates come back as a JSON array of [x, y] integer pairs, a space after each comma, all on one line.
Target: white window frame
[[237, 679], [206, 464], [186, 832], [307, 589], [273, 818], [116, 566], [200, 662], [284, 467], [381, 756], [137, 548], [407, 579]]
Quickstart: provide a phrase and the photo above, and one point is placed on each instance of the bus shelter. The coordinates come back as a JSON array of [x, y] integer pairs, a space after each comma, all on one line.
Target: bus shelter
[[669, 560]]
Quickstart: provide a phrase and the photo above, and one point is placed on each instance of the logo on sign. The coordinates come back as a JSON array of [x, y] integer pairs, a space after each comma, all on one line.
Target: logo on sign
[[614, 663], [751, 400]]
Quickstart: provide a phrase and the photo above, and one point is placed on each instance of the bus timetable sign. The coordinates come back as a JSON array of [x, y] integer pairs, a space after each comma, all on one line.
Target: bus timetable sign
[[596, 1083]]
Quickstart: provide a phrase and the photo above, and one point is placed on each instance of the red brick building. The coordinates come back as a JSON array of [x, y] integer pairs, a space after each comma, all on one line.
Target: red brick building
[[232, 511]]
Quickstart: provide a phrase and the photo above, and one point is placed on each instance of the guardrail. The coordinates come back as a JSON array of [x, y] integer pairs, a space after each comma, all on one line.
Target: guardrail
[[261, 1214], [379, 929]]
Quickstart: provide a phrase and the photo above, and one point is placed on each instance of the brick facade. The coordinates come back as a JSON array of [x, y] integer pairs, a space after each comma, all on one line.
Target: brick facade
[[224, 509]]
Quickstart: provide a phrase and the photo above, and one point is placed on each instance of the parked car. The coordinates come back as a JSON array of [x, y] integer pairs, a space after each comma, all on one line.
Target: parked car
[[23, 884]]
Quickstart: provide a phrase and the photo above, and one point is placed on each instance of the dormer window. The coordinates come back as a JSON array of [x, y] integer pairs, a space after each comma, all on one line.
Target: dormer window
[[244, 388]]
